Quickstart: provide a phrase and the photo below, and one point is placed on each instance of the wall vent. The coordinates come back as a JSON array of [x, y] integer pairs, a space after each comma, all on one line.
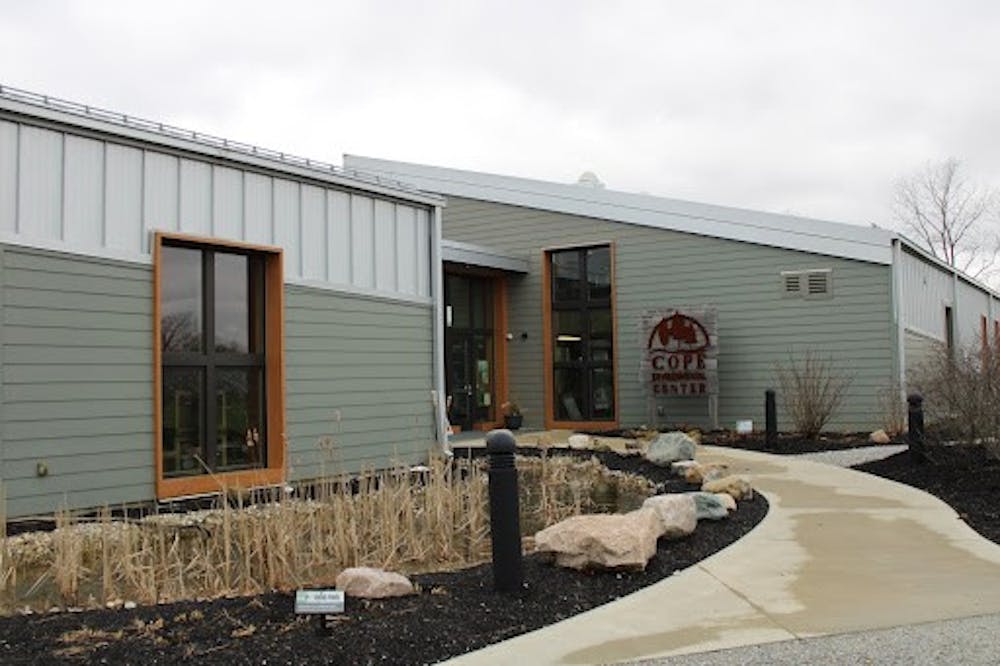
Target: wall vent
[[816, 283], [792, 284]]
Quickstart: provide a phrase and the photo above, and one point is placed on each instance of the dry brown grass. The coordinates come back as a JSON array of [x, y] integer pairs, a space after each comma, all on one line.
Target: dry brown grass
[[409, 521]]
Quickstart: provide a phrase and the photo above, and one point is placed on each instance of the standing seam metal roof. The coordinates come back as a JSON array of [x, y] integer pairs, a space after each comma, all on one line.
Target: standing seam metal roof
[[870, 244]]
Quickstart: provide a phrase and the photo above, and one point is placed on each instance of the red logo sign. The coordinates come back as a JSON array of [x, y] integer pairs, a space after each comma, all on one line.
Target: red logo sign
[[679, 355]]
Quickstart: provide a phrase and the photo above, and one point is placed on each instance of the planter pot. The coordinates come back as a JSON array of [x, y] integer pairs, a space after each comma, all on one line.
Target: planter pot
[[513, 422]]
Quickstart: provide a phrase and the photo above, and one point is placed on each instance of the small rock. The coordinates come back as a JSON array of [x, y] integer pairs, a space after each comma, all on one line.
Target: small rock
[[879, 437], [579, 441], [602, 541], [681, 467], [736, 486], [695, 436], [129, 605], [699, 474], [708, 506], [727, 500], [371, 583], [670, 447], [677, 513], [528, 544]]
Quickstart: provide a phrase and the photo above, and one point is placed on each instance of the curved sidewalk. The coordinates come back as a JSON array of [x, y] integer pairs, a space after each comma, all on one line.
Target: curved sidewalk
[[839, 551]]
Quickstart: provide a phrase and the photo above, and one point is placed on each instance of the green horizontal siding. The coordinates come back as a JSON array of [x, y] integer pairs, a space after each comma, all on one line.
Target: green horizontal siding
[[77, 373], [656, 268], [76, 366], [359, 374]]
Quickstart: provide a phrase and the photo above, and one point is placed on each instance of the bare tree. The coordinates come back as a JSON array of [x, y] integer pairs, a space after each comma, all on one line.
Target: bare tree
[[955, 218]]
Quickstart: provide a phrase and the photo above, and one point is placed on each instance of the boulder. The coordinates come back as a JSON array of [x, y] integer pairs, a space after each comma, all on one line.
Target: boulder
[[699, 473], [670, 447], [736, 486], [879, 437], [602, 540], [677, 513], [579, 441], [708, 506], [681, 467], [727, 500], [369, 583]]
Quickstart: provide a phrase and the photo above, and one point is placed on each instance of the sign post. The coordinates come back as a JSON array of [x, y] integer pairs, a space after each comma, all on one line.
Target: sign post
[[680, 349]]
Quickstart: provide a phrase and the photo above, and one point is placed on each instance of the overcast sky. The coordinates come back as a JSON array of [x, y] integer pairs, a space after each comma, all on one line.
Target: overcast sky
[[805, 107]]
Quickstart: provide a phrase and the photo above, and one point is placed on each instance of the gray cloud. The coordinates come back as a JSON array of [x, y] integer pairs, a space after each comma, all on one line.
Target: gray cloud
[[808, 107]]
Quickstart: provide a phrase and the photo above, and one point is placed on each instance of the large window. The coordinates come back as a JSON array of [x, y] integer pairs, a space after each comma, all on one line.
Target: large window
[[217, 317], [582, 335]]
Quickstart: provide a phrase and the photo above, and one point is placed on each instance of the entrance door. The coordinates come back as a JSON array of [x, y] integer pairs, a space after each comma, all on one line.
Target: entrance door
[[469, 346]]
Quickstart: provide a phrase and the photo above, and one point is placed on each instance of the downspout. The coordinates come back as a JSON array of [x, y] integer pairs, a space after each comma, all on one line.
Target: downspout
[[437, 336], [897, 314]]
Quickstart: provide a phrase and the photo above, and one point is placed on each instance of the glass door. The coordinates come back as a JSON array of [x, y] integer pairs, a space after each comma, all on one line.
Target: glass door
[[469, 356]]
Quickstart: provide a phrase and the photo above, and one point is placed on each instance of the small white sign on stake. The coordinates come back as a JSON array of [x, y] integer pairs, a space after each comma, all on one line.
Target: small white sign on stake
[[318, 602]]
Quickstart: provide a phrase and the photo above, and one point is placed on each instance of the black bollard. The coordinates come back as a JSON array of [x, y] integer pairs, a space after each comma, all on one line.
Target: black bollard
[[770, 420], [915, 434], [505, 522]]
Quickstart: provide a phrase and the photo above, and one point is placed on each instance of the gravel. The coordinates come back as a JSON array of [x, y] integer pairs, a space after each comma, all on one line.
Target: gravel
[[965, 641], [856, 456]]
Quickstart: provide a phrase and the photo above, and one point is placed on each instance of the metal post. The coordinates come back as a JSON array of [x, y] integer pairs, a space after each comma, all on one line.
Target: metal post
[[915, 435], [770, 420], [505, 524]]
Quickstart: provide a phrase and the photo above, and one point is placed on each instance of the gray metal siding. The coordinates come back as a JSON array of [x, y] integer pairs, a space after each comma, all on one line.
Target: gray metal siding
[[659, 268], [77, 373], [919, 350], [100, 197], [358, 372]]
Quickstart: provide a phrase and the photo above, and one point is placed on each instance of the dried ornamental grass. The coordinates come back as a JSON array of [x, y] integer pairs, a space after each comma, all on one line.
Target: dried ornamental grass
[[411, 521]]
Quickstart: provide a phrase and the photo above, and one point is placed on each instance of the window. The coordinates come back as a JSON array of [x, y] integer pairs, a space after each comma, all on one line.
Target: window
[[581, 344], [949, 328], [218, 327]]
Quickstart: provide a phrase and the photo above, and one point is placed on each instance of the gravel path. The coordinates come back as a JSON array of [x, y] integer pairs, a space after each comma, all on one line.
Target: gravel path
[[857, 456], [965, 641]]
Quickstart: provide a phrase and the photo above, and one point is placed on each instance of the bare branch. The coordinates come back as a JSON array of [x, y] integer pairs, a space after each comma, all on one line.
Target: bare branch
[[956, 219]]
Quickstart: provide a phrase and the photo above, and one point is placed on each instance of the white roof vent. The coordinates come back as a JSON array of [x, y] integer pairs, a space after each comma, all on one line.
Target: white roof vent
[[590, 179]]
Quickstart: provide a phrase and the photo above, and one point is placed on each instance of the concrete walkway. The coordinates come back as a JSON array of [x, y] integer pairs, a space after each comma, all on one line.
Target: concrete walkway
[[840, 551]]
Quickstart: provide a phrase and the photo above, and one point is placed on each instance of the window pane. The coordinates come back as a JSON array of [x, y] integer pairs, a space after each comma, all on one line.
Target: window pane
[[568, 327], [569, 394], [603, 396], [482, 303], [600, 335], [599, 273], [180, 299], [232, 311], [566, 276], [458, 299], [239, 404], [183, 421]]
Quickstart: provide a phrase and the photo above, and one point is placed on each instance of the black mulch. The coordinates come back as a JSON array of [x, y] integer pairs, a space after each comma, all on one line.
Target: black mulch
[[786, 442], [963, 475], [455, 612]]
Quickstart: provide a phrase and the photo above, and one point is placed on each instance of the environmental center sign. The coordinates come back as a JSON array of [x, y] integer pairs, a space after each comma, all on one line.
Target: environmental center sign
[[679, 352]]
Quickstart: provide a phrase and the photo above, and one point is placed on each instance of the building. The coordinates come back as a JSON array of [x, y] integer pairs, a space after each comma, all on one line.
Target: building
[[181, 313], [144, 268], [865, 298]]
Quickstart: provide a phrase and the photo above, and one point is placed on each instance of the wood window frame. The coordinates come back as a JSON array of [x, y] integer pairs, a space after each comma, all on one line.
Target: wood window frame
[[274, 367], [548, 375]]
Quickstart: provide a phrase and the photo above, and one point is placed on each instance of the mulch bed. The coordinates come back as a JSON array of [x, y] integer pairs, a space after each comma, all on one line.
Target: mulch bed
[[791, 443], [963, 475], [455, 612]]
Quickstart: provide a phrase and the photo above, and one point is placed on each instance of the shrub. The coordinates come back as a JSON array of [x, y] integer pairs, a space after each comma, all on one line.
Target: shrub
[[811, 392], [892, 408], [961, 390]]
